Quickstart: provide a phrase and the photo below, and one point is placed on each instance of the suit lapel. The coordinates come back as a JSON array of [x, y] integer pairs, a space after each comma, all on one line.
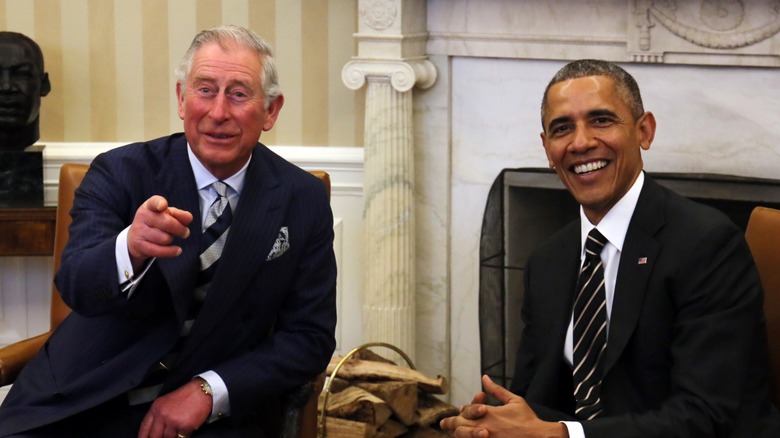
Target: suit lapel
[[637, 259]]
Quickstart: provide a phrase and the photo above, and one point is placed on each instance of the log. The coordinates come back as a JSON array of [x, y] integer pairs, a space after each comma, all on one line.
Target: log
[[391, 429], [430, 410], [364, 369], [357, 404], [341, 428], [337, 384], [401, 397], [366, 354]]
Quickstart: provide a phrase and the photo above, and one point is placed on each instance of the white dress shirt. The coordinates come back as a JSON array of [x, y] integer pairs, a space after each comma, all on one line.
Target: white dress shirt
[[613, 226]]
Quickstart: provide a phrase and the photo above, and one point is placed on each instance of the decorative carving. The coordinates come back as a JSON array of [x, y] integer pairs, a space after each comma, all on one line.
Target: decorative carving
[[403, 75], [644, 23], [378, 14], [722, 17]]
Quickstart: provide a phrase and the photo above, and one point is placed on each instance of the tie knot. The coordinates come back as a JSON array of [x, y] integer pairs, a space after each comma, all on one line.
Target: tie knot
[[594, 243], [221, 188]]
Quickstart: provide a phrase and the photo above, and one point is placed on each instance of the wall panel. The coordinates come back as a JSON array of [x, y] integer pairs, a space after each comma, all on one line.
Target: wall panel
[[111, 64]]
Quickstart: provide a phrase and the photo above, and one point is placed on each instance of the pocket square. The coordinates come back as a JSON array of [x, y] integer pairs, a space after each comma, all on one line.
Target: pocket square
[[281, 245]]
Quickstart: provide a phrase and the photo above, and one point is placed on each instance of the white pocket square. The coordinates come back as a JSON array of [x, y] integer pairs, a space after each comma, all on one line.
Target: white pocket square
[[281, 245]]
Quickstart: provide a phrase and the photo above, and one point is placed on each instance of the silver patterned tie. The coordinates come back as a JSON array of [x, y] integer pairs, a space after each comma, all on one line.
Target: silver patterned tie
[[215, 232]]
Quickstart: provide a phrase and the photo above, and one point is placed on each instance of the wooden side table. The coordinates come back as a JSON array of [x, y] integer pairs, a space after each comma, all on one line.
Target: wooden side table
[[27, 231]]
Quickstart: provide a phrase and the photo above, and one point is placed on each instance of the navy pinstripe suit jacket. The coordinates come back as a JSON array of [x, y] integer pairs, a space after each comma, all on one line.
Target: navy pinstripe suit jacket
[[266, 326]]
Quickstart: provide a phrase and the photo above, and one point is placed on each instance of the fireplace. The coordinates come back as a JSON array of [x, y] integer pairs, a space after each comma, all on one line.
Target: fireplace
[[527, 205]]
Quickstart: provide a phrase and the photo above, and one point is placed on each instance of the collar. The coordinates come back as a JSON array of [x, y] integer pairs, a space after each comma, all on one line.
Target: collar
[[204, 178], [614, 225]]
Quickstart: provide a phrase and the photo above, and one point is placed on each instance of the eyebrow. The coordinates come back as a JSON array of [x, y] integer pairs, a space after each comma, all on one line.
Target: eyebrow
[[600, 112], [558, 121]]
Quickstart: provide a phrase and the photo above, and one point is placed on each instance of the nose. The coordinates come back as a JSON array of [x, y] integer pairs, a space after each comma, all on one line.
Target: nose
[[220, 110], [583, 139], [5, 80]]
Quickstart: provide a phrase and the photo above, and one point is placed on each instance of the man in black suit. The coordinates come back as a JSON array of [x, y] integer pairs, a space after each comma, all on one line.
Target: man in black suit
[[165, 338], [684, 344]]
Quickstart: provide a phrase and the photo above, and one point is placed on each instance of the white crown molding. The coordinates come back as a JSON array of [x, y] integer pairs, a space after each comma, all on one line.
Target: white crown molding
[[531, 46], [742, 33]]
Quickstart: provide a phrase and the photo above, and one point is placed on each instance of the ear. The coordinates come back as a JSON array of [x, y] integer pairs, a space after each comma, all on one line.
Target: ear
[[646, 127], [45, 84], [273, 112], [546, 151], [180, 99]]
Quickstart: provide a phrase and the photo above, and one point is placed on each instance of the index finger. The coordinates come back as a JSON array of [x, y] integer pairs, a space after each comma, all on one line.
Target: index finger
[[473, 411], [183, 216]]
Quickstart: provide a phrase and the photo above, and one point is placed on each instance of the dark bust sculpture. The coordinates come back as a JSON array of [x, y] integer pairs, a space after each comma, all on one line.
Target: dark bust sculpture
[[23, 82]]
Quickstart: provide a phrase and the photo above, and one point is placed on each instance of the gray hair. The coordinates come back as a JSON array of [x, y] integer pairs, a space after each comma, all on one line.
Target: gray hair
[[234, 35], [627, 88]]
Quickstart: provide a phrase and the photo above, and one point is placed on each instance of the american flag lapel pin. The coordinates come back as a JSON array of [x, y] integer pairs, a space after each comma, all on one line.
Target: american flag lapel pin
[[642, 261]]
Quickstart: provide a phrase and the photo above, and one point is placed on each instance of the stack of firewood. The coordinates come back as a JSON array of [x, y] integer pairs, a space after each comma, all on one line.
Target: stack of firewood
[[374, 397]]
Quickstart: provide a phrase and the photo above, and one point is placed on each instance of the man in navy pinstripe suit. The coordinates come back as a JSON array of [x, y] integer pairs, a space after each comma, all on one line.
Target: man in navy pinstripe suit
[[129, 271]]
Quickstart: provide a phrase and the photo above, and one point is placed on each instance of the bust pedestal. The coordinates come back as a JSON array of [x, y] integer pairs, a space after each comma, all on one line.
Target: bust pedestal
[[21, 177]]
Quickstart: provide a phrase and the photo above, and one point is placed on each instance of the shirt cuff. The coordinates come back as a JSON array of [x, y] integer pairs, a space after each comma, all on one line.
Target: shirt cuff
[[220, 407], [124, 267], [575, 429]]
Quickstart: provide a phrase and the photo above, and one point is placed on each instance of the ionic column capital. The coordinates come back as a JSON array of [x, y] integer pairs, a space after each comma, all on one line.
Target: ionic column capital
[[403, 75]]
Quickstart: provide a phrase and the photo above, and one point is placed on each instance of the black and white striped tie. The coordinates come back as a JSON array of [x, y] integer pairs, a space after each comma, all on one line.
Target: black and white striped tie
[[590, 330]]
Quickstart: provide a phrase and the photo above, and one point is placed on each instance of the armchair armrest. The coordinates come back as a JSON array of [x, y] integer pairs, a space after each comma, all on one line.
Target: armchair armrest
[[300, 410], [15, 356]]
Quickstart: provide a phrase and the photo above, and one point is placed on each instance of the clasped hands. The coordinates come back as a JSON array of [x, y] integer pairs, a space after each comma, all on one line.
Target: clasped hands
[[514, 418], [154, 227]]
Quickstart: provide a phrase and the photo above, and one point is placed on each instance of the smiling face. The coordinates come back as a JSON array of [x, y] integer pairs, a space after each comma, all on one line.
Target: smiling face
[[222, 106], [593, 141]]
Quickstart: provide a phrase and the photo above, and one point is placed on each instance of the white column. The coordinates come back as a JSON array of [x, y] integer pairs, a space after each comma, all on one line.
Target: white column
[[391, 62]]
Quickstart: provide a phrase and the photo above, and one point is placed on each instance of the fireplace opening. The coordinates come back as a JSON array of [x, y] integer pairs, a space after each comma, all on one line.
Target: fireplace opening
[[527, 205]]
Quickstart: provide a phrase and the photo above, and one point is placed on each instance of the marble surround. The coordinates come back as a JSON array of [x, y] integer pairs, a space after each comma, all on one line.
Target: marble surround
[[716, 110]]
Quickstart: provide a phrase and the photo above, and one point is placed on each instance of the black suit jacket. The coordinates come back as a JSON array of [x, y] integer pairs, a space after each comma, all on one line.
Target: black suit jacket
[[686, 352], [108, 343]]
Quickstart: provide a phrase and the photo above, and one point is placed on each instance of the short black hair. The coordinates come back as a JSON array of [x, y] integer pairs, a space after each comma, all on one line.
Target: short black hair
[[624, 82]]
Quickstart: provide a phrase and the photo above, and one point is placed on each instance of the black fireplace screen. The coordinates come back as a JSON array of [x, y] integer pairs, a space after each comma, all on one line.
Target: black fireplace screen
[[527, 205]]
